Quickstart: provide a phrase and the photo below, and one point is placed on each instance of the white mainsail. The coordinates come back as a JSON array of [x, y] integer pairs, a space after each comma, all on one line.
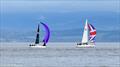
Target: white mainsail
[[85, 33]]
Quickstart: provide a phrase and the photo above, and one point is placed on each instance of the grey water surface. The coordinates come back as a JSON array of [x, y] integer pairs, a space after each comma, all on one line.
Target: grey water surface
[[59, 55]]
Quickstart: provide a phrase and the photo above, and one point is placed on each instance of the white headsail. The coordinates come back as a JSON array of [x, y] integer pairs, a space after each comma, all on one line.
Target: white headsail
[[85, 33]]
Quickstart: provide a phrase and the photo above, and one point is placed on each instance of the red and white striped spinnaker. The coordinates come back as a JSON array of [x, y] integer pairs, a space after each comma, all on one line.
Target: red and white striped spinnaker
[[92, 33]]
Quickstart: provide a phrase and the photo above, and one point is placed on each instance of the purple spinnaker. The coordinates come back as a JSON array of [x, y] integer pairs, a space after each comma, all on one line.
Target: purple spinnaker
[[47, 36]]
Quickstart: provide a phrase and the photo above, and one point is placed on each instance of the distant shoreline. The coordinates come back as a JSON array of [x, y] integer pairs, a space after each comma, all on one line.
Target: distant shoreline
[[53, 42]]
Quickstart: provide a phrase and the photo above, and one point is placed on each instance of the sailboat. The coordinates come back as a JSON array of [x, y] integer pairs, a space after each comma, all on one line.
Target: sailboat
[[46, 38], [89, 34]]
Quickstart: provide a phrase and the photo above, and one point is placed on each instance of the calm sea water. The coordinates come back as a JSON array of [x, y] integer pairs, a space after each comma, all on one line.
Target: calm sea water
[[59, 55]]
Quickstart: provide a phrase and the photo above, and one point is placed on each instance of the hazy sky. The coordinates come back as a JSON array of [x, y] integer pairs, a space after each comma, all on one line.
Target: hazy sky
[[61, 16], [59, 6], [22, 10]]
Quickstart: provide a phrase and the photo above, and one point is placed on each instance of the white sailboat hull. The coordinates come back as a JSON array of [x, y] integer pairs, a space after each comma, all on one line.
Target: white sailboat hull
[[85, 46], [38, 46]]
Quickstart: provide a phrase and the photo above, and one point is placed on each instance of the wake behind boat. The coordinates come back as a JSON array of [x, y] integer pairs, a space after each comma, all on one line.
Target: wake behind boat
[[45, 40], [92, 34]]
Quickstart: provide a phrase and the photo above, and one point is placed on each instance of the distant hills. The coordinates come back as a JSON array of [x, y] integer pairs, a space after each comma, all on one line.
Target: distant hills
[[71, 35], [65, 27]]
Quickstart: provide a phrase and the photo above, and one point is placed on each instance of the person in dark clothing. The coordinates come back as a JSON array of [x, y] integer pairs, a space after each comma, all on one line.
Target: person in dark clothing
[[79, 44], [31, 45], [44, 43]]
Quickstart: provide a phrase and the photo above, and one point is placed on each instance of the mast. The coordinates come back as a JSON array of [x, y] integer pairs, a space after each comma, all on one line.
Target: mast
[[85, 33], [37, 36]]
